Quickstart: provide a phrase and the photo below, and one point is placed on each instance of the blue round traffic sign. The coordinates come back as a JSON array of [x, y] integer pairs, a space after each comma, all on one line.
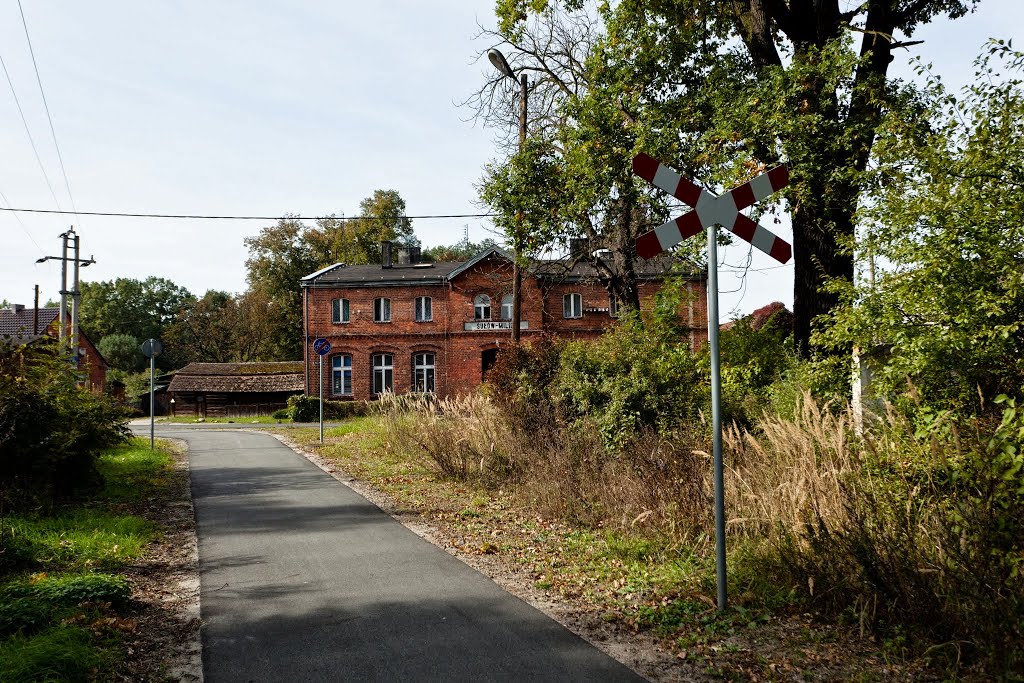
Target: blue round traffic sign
[[322, 347]]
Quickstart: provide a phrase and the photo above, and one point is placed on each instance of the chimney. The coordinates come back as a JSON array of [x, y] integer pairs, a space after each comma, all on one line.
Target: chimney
[[404, 256], [578, 247], [385, 254], [16, 308]]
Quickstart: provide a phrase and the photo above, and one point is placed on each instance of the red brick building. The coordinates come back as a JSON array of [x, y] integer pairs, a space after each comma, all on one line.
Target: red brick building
[[27, 325], [438, 327]]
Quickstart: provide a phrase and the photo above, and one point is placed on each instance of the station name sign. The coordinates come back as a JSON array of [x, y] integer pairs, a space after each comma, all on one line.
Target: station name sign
[[488, 325]]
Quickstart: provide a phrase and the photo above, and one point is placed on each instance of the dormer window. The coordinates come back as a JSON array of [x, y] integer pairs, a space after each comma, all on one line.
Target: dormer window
[[482, 307]]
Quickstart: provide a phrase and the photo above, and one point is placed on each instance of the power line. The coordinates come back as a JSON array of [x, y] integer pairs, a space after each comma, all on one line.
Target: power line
[[116, 214], [28, 132], [22, 224], [46, 106]]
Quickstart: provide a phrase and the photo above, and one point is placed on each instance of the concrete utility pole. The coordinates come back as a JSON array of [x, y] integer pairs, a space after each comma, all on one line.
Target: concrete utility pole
[[64, 292]]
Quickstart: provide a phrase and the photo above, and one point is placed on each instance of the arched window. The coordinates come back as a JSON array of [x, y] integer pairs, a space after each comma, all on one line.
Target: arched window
[[506, 307], [423, 372], [482, 307]]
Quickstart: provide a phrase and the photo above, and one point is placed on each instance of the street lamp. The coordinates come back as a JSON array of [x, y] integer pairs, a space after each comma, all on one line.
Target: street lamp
[[502, 65]]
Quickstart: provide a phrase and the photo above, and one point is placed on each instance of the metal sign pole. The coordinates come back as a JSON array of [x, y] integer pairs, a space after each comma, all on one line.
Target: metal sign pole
[[320, 390], [152, 400], [716, 415]]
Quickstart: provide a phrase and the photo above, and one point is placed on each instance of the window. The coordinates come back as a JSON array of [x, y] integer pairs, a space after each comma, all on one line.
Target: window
[[424, 309], [382, 310], [383, 372], [339, 311], [341, 375], [482, 307], [613, 306], [572, 306], [506, 307], [423, 372]]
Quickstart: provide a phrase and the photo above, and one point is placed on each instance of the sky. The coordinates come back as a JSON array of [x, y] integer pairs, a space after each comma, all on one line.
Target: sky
[[262, 108]]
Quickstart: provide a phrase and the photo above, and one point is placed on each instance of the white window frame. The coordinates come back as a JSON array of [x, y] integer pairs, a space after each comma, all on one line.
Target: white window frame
[[382, 310], [424, 309], [340, 311], [341, 375], [424, 371], [572, 305], [482, 307], [506, 307], [383, 372]]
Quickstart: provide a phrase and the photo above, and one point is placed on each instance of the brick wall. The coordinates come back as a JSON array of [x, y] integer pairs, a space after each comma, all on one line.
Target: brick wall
[[459, 355]]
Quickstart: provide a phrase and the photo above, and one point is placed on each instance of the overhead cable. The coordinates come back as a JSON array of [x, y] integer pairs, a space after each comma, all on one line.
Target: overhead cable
[[46, 106]]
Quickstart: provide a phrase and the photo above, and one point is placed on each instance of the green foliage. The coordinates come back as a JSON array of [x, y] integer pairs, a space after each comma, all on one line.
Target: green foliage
[[307, 409], [946, 308], [225, 328], [131, 471], [752, 362], [719, 90], [51, 430], [461, 251], [122, 352], [139, 308]]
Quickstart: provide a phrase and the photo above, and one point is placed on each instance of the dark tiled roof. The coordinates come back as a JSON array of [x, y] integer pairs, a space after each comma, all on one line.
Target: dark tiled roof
[[375, 274], [18, 324], [340, 275], [240, 377]]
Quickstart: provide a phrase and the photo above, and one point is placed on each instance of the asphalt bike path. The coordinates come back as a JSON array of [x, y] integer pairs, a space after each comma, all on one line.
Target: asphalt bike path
[[302, 579]]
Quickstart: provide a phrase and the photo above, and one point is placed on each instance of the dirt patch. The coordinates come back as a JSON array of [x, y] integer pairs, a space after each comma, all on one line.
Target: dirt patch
[[165, 645]]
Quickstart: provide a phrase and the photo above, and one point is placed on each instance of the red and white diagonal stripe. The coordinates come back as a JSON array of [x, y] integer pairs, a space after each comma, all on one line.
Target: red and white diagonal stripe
[[710, 209]]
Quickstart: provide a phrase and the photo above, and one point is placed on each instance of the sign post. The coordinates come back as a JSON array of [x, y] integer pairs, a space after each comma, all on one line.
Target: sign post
[[151, 348], [322, 348], [710, 211]]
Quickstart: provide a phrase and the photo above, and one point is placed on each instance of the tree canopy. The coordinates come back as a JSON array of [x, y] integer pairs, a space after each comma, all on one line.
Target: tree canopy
[[943, 311], [720, 89]]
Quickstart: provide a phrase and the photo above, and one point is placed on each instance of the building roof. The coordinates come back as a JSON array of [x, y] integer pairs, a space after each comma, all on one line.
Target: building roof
[[17, 321], [340, 275], [287, 376]]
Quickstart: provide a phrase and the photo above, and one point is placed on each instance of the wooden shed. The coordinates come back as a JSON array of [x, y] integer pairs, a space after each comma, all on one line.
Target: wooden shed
[[234, 389]]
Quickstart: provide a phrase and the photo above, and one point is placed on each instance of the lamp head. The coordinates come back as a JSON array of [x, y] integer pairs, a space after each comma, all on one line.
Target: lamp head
[[500, 63]]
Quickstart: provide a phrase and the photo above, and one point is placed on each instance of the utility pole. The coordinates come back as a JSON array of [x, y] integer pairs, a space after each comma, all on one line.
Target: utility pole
[[75, 292]]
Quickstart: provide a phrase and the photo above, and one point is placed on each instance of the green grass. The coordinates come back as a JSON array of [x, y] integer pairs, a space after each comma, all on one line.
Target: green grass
[[264, 420], [60, 653], [60, 594]]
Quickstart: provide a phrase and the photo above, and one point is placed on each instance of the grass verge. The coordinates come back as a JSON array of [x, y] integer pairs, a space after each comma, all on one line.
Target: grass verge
[[64, 606]]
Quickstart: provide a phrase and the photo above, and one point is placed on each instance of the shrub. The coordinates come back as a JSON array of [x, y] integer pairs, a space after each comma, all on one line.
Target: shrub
[[282, 414], [51, 430], [637, 376], [307, 409], [912, 526]]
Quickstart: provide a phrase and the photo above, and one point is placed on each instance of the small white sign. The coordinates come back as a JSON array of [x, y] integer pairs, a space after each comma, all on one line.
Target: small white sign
[[488, 325]]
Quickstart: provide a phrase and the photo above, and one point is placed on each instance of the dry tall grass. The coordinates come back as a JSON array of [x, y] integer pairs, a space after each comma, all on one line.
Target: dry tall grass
[[788, 474]]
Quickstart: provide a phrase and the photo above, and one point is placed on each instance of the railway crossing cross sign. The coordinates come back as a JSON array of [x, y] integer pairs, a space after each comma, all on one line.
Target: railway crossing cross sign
[[710, 211]]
